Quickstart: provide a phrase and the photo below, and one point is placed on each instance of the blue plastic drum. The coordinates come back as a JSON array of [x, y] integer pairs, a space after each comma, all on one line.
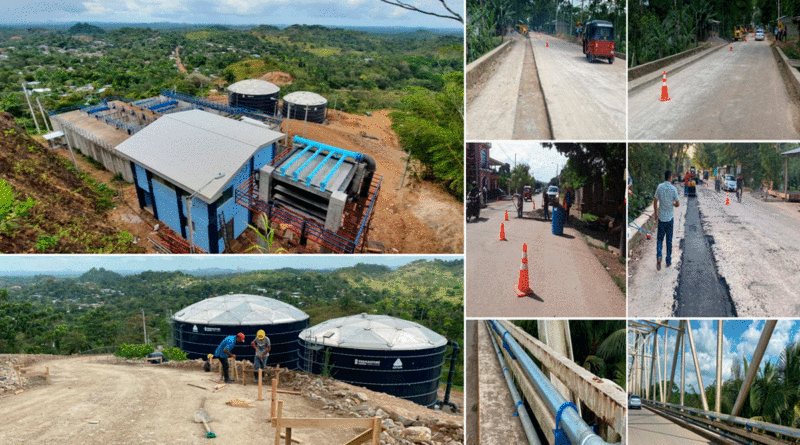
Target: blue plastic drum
[[559, 215]]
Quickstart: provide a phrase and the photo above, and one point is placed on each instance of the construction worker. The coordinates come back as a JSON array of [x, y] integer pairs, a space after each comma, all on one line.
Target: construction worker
[[262, 347], [224, 351]]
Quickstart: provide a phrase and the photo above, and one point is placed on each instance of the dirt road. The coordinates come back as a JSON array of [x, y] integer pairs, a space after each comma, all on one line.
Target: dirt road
[[754, 248], [585, 101], [737, 94], [566, 277], [95, 400], [566, 98]]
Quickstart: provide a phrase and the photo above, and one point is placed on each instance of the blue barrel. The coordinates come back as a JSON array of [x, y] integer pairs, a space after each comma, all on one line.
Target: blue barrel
[[559, 214]]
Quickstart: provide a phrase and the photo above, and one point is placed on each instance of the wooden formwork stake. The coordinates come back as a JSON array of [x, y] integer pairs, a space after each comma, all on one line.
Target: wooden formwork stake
[[288, 436], [277, 419], [47, 374], [235, 376], [274, 398], [376, 431], [19, 378], [260, 375], [219, 365], [244, 380]]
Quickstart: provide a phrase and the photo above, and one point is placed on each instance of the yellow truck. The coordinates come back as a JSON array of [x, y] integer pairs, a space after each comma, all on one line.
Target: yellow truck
[[522, 29]]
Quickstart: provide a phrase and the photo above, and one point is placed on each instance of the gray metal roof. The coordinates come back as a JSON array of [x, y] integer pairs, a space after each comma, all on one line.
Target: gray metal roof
[[240, 310], [795, 152], [305, 98], [373, 332], [191, 148], [53, 135], [253, 87]]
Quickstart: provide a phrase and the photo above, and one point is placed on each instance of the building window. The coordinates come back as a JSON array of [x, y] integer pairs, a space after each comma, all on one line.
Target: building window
[[484, 163]]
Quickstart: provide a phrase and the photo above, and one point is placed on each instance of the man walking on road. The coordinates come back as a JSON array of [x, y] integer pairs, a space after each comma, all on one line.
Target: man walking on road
[[224, 351], [666, 193]]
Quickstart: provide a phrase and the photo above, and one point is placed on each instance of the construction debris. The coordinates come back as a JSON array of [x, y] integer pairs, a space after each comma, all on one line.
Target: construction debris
[[241, 403]]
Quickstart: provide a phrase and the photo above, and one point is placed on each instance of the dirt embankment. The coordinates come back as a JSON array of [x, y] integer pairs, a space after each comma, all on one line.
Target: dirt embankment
[[67, 217], [100, 400]]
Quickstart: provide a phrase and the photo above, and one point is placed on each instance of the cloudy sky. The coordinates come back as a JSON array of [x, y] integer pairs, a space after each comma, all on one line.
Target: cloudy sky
[[231, 12], [25, 264], [544, 162], [740, 338]]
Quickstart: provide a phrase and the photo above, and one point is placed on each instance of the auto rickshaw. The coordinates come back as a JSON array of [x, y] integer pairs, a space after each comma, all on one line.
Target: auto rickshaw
[[598, 42]]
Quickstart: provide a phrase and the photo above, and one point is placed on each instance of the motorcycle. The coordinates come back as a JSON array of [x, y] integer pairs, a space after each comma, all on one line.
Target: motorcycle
[[473, 207]]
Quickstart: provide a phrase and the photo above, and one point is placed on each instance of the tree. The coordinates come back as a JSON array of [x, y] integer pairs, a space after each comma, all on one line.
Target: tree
[[452, 15]]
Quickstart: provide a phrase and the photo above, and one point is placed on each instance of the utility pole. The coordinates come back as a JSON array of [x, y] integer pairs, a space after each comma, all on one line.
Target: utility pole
[[44, 116], [33, 115], [144, 328]]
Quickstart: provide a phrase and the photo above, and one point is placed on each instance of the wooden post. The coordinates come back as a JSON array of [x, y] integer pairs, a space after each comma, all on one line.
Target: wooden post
[[259, 383], [277, 373], [244, 379], [277, 418], [19, 379], [235, 374], [274, 397], [288, 436], [376, 431], [219, 366], [47, 374]]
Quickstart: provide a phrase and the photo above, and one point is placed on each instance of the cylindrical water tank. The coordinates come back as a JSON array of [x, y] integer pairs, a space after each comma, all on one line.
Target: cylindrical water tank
[[198, 329], [378, 352], [254, 94], [297, 104]]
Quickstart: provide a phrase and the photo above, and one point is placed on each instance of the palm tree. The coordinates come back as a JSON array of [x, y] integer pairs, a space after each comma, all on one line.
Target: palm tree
[[789, 370], [767, 395]]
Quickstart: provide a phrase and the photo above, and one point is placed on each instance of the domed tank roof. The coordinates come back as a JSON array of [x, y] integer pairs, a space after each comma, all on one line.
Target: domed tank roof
[[253, 87], [240, 310], [305, 98], [373, 332]]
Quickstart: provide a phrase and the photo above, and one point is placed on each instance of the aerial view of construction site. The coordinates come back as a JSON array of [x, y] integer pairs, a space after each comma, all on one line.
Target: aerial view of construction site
[[177, 349], [209, 139], [545, 229], [543, 70]]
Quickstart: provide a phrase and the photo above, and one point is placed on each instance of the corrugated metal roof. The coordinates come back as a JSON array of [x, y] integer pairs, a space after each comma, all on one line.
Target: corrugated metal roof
[[240, 310], [795, 152], [191, 148], [373, 332], [305, 98], [254, 87]]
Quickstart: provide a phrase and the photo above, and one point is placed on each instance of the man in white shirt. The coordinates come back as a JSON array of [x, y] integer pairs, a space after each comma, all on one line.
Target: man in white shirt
[[666, 193]]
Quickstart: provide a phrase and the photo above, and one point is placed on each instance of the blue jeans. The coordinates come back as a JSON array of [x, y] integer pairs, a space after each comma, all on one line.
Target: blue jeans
[[664, 229]]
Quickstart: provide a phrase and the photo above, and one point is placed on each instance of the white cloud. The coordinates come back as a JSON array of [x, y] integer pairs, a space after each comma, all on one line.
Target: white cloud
[[95, 8]]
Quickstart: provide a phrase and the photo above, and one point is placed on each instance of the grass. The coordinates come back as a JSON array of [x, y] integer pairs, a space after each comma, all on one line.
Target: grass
[[249, 68], [324, 51], [197, 35]]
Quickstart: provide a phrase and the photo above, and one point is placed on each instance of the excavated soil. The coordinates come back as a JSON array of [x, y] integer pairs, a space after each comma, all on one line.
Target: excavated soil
[[279, 78]]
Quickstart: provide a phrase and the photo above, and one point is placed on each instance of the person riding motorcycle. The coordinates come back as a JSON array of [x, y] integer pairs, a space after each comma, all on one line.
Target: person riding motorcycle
[[473, 201]]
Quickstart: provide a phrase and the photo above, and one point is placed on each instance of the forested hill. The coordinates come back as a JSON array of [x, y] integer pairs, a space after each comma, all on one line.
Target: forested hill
[[101, 307]]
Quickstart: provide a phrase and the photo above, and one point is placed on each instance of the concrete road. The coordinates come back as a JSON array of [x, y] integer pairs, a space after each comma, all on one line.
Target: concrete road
[[737, 94], [578, 100], [647, 428], [585, 101], [754, 249], [566, 277]]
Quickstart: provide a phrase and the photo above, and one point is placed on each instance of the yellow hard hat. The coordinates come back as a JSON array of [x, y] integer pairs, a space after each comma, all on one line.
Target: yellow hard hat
[[210, 356], [260, 334]]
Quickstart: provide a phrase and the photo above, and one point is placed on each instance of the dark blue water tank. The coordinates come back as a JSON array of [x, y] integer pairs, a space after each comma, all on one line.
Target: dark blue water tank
[[377, 352], [198, 329]]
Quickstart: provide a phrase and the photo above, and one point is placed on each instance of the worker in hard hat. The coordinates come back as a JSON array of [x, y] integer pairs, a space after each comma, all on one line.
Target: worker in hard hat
[[224, 351], [262, 347]]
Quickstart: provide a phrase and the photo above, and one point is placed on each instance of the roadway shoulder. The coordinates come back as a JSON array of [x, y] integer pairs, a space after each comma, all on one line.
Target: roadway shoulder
[[793, 76], [476, 69], [657, 66]]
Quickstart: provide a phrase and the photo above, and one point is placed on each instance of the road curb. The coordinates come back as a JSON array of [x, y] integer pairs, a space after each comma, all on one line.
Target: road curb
[[676, 67], [476, 69], [544, 96], [793, 74]]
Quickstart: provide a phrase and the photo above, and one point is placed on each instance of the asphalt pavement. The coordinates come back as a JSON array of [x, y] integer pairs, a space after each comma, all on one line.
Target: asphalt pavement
[[726, 95], [567, 279]]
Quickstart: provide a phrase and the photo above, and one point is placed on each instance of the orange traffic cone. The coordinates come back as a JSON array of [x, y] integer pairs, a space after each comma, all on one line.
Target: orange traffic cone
[[523, 288], [547, 43], [664, 92], [534, 204], [506, 215], [731, 47], [727, 200], [503, 232]]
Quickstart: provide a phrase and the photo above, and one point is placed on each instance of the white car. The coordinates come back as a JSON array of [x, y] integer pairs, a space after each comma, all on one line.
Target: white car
[[634, 402], [759, 34], [730, 183], [552, 193]]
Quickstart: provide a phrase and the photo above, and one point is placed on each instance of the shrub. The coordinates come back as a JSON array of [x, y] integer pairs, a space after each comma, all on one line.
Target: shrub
[[174, 354], [133, 351]]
